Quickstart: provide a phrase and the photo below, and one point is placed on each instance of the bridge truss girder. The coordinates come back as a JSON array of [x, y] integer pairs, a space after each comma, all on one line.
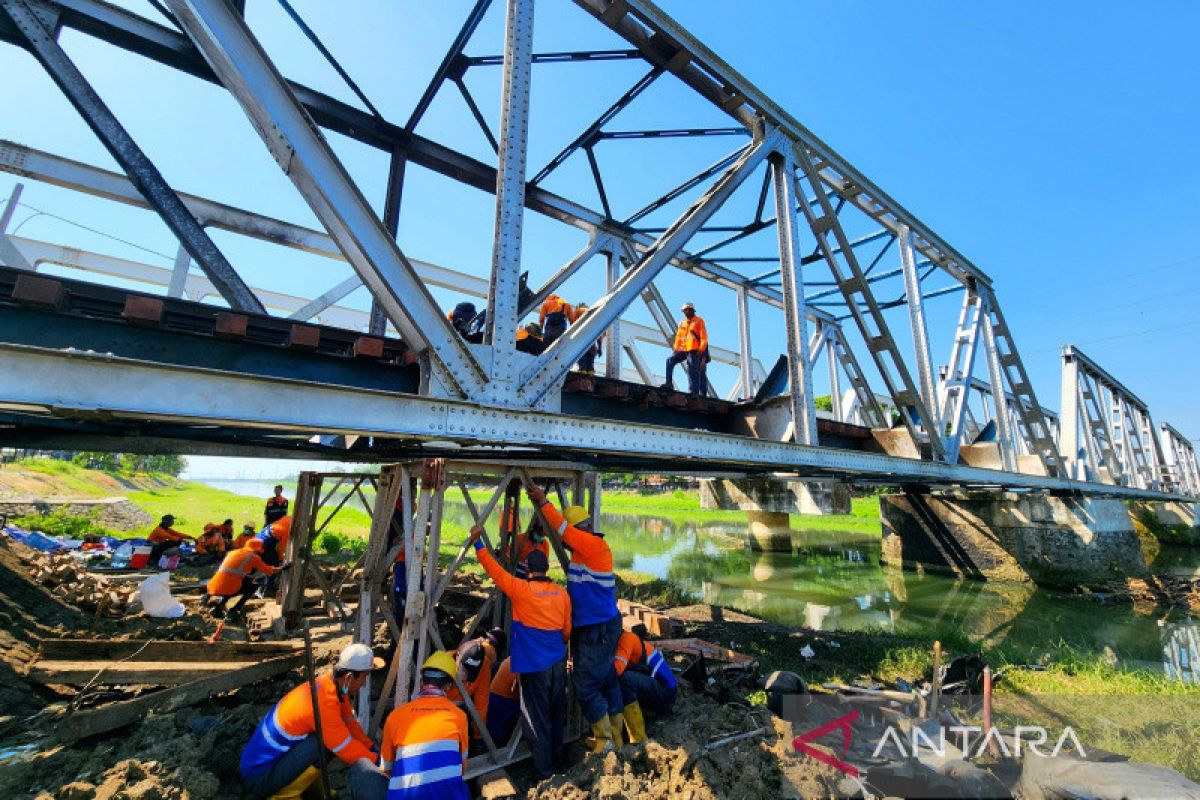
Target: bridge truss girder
[[217, 45]]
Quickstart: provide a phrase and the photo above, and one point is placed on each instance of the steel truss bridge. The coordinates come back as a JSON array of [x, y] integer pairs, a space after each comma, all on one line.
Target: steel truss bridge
[[205, 362]]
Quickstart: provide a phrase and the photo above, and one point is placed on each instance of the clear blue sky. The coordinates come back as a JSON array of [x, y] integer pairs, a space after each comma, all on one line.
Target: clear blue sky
[[1054, 144]]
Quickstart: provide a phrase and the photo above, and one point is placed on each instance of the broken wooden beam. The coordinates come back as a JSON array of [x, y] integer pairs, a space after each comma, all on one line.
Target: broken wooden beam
[[698, 647], [153, 650], [116, 715]]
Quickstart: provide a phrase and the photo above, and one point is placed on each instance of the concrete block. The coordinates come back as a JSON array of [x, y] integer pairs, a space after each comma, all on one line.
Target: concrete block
[[367, 347], [775, 495], [39, 292], [304, 337], [141, 310], [230, 325], [896, 442]]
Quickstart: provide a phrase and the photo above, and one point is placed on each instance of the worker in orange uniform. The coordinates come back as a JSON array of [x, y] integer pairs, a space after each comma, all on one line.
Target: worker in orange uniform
[[476, 659], [231, 578], [645, 678], [587, 362], [555, 316], [275, 538], [276, 508], [210, 547], [691, 348], [504, 704], [226, 529], [248, 533], [541, 627], [165, 540], [534, 538], [594, 618], [280, 760], [529, 339], [424, 747]]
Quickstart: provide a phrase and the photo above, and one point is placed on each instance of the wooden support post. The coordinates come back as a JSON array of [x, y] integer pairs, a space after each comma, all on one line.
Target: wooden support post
[[291, 599]]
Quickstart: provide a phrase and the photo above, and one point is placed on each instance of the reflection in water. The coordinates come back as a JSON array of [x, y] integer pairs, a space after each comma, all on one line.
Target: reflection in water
[[833, 581]]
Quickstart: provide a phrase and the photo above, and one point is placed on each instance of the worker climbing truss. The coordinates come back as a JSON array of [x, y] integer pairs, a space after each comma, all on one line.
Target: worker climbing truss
[[828, 230], [407, 518]]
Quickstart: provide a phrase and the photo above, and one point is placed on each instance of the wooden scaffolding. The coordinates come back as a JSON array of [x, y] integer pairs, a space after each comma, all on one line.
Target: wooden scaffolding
[[406, 515]]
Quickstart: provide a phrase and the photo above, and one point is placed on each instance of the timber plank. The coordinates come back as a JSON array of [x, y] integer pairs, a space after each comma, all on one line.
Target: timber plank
[[158, 673], [115, 715], [108, 649]]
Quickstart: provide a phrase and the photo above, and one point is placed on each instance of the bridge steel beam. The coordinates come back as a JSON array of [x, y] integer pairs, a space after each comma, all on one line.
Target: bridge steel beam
[[80, 383], [1182, 469], [37, 33], [290, 135]]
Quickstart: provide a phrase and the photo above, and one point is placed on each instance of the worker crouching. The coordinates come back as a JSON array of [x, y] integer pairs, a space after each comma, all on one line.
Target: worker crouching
[[281, 759], [541, 627], [232, 578], [646, 681], [424, 745]]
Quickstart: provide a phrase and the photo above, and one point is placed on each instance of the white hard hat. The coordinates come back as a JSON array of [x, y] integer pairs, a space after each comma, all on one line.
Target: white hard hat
[[358, 658], [687, 305]]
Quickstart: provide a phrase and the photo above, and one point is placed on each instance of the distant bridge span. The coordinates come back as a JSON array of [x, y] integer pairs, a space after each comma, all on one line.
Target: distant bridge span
[[287, 375]]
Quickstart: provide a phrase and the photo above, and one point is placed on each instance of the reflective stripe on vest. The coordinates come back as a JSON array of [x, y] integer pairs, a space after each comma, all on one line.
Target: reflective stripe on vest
[[426, 762], [578, 573], [240, 570]]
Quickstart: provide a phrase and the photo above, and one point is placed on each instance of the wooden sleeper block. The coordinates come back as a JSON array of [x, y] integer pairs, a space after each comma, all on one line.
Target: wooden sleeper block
[[145, 311], [39, 292], [304, 337], [230, 325], [367, 347]]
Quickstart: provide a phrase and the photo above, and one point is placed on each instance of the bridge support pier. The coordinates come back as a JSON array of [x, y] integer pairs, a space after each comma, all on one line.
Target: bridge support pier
[[1051, 541], [768, 502]]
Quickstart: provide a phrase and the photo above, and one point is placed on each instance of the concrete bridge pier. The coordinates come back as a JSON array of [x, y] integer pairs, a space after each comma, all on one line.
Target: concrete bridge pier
[[768, 502], [1050, 541]]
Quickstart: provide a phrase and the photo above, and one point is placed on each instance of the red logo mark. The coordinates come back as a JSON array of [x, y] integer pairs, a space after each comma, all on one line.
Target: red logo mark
[[843, 724]]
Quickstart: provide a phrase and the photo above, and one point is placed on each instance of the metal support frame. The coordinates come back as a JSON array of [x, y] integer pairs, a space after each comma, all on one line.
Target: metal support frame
[[804, 412], [612, 356], [863, 307], [242, 66], [40, 39], [1182, 473], [920, 333], [746, 384], [510, 199], [549, 367]]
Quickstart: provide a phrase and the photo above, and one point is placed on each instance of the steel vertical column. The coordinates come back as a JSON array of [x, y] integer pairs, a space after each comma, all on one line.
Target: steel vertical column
[[377, 326], [747, 357], [835, 383], [1068, 420], [996, 377], [9, 254], [510, 197], [179, 272], [145, 176], [612, 357], [804, 412], [920, 333]]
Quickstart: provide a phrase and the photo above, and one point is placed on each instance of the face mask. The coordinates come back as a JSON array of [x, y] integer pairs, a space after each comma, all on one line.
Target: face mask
[[539, 538]]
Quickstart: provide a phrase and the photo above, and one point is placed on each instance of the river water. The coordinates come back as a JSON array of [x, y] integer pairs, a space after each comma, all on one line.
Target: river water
[[832, 580]]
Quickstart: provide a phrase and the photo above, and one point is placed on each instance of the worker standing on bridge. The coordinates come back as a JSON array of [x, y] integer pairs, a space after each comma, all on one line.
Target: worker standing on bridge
[[587, 362], [646, 680], [555, 316], [529, 339], [281, 758], [541, 627], [691, 349], [424, 747], [277, 507], [594, 617]]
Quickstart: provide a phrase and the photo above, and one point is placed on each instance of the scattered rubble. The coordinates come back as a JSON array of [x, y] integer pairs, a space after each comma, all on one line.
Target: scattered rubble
[[73, 582]]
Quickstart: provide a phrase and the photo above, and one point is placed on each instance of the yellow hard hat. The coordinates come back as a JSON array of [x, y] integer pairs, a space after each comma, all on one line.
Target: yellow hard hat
[[442, 661], [575, 515]]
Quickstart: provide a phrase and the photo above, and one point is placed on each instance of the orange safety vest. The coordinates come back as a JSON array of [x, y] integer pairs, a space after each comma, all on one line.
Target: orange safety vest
[[691, 335], [555, 304], [506, 682], [234, 569], [211, 542], [541, 616], [161, 534]]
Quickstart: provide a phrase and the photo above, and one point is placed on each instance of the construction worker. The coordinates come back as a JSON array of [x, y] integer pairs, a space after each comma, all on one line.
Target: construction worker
[[274, 538], [281, 758], [691, 348], [534, 538], [226, 529], [231, 578], [248, 533], [210, 547], [503, 703], [476, 659], [165, 540], [529, 339], [541, 627], [424, 747], [277, 506], [587, 362], [645, 678], [594, 618], [462, 318], [555, 316]]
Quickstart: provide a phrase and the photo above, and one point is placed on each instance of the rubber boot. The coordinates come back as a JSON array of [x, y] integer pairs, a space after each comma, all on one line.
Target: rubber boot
[[601, 735], [296, 788], [635, 722], [617, 723]]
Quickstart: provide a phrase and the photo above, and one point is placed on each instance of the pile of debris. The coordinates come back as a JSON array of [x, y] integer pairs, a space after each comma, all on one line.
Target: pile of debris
[[71, 581], [1165, 590]]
